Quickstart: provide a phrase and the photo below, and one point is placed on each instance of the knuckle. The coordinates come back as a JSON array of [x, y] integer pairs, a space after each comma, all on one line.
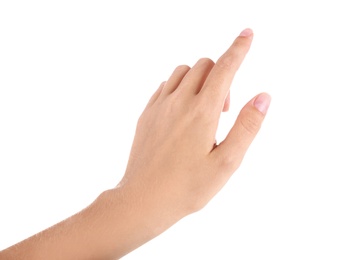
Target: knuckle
[[206, 61], [226, 61], [251, 124], [172, 106], [195, 205], [182, 68], [229, 163], [196, 197], [201, 111]]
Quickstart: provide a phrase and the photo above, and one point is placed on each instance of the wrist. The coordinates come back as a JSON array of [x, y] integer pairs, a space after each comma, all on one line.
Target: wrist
[[146, 215]]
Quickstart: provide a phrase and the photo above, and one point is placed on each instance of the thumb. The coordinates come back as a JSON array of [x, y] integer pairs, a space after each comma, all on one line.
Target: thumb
[[232, 150]]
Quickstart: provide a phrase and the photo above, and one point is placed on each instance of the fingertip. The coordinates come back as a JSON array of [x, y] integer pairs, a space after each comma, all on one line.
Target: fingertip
[[248, 33], [262, 102]]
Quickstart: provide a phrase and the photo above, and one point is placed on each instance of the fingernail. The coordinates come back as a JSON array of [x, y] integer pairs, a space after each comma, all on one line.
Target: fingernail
[[246, 32], [262, 102]]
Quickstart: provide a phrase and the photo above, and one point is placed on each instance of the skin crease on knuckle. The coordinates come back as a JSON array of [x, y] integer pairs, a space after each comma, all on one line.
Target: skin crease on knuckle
[[226, 62], [251, 123]]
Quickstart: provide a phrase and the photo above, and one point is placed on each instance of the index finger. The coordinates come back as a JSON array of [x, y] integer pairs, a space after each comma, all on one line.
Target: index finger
[[217, 85]]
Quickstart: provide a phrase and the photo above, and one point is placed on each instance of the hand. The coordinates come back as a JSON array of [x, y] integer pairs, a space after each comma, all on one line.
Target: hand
[[175, 166]]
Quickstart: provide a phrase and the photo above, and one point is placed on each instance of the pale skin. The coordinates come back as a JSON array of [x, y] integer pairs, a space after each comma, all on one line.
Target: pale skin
[[175, 167]]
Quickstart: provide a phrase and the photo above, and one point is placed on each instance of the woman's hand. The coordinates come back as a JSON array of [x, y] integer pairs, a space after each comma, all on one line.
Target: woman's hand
[[175, 166]]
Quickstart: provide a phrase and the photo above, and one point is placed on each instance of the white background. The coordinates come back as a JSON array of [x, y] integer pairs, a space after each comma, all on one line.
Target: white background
[[75, 76]]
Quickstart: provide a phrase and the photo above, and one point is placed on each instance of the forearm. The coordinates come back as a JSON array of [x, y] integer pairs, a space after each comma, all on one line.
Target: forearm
[[113, 225]]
